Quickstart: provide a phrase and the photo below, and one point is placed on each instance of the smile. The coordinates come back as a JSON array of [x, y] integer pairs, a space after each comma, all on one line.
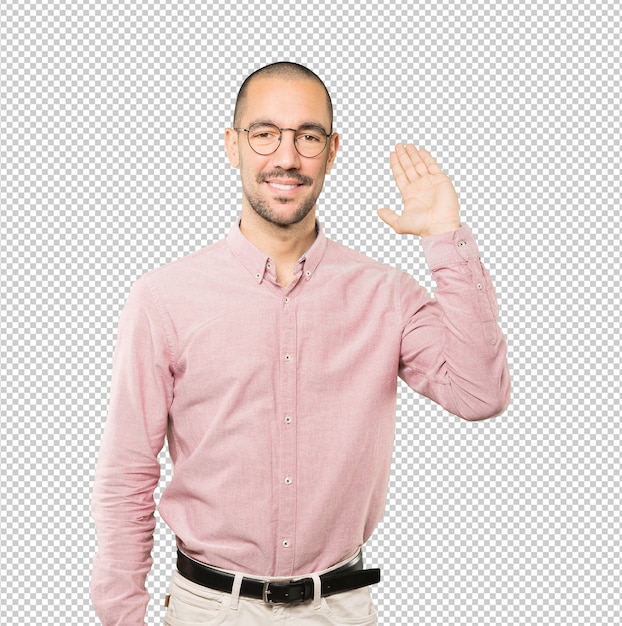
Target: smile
[[283, 187]]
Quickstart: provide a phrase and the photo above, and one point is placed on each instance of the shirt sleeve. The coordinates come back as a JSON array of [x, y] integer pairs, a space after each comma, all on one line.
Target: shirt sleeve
[[453, 350], [128, 469]]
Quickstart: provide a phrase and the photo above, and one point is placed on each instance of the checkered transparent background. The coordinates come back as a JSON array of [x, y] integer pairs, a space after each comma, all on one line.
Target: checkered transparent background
[[111, 163]]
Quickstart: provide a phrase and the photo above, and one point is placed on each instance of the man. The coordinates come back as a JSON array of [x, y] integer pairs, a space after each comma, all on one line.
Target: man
[[271, 359]]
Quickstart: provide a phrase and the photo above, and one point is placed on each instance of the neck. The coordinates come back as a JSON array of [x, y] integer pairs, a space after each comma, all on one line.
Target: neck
[[283, 244]]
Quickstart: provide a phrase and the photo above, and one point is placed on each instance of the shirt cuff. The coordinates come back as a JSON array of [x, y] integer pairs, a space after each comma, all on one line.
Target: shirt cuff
[[451, 248]]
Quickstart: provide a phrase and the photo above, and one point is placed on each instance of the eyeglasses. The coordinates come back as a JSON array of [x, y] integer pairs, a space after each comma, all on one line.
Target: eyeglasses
[[309, 140]]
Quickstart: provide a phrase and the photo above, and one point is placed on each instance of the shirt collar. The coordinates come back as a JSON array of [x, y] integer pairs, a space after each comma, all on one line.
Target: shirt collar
[[256, 261]]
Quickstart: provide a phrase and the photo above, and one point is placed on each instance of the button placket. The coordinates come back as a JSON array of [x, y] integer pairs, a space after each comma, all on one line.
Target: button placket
[[285, 478]]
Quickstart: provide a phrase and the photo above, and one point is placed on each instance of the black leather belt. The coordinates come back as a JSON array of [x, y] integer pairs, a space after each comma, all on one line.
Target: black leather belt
[[346, 578]]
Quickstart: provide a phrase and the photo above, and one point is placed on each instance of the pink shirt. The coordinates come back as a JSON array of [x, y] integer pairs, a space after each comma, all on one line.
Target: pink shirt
[[279, 403]]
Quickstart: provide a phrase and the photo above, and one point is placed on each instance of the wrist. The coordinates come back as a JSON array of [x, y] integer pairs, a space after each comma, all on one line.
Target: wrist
[[441, 229]]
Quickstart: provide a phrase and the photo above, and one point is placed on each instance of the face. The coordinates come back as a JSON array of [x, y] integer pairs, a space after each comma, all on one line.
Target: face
[[282, 187]]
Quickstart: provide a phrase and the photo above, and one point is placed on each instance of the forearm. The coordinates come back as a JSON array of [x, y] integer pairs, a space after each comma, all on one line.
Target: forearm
[[118, 583], [454, 350], [123, 510]]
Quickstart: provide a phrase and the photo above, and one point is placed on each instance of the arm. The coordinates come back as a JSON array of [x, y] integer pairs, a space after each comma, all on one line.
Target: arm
[[452, 348], [128, 469]]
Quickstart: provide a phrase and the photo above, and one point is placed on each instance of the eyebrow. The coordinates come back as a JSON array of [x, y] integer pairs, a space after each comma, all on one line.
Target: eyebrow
[[302, 126]]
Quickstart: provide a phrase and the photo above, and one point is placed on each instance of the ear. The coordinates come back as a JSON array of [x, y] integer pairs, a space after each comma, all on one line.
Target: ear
[[231, 146], [333, 146]]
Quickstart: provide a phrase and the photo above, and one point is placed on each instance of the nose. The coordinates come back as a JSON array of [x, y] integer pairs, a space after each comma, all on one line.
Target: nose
[[286, 155]]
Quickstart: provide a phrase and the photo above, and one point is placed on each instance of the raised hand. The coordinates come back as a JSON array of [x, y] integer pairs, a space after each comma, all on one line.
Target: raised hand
[[430, 200]]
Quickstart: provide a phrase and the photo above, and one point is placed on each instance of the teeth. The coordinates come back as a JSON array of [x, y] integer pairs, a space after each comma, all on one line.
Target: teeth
[[284, 187]]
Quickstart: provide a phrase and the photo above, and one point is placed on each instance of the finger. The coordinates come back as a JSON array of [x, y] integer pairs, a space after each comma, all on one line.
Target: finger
[[406, 160], [401, 178], [430, 162], [418, 162], [390, 217]]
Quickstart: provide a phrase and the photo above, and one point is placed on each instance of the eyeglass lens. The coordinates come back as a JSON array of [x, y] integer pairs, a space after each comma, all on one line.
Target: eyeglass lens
[[265, 139]]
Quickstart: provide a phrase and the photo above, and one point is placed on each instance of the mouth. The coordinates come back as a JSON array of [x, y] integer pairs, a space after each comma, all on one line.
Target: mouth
[[284, 181], [287, 187]]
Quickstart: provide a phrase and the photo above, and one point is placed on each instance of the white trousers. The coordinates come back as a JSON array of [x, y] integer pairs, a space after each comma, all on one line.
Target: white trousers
[[190, 604]]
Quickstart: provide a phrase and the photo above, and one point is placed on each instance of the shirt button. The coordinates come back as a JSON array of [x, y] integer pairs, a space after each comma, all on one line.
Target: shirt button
[[461, 244], [288, 358], [288, 480], [308, 273], [288, 420], [286, 300], [269, 266], [479, 285], [257, 276], [286, 543]]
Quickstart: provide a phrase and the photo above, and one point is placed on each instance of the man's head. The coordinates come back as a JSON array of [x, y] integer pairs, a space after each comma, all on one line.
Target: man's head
[[282, 187], [283, 70]]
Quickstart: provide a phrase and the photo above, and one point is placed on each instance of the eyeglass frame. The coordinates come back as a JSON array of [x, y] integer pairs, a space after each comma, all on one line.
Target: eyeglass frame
[[294, 130]]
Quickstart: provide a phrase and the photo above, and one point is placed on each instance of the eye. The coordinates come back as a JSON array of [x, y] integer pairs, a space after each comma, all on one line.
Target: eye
[[264, 132], [310, 138]]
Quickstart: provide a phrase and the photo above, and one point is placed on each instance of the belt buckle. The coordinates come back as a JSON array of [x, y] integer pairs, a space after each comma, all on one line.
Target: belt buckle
[[266, 593], [284, 597]]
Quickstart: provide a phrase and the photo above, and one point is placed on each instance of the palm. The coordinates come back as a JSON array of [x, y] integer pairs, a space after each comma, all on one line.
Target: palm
[[430, 200]]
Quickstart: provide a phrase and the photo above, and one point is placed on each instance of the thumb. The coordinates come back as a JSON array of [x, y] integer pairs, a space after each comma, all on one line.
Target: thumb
[[389, 217]]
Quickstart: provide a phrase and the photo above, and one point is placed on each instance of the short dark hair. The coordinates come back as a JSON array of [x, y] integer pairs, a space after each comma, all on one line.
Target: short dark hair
[[282, 69]]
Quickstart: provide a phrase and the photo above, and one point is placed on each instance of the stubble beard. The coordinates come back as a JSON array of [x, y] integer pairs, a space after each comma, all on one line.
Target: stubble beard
[[265, 211]]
